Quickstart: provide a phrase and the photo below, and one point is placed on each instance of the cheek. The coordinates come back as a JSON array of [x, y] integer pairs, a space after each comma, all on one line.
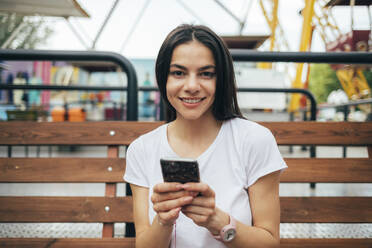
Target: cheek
[[170, 91], [212, 89], [172, 88]]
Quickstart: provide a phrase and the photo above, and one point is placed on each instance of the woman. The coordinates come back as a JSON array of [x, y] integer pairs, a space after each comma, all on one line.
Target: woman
[[236, 204]]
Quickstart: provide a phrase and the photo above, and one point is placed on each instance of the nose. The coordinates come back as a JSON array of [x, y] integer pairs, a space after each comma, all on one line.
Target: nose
[[192, 85]]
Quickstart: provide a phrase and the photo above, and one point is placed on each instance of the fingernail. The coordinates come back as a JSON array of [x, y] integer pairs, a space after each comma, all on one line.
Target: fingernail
[[179, 186]]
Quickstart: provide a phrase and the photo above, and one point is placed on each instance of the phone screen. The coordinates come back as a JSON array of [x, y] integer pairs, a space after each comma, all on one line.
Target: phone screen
[[180, 170]]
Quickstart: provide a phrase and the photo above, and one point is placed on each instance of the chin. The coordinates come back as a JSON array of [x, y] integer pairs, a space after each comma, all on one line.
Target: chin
[[190, 117], [194, 116]]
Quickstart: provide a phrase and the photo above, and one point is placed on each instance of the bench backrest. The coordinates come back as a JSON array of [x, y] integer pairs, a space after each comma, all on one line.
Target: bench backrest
[[111, 209]]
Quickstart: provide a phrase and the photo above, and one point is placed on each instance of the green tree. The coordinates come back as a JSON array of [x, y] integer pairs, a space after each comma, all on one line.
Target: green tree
[[31, 31], [322, 81], [368, 74]]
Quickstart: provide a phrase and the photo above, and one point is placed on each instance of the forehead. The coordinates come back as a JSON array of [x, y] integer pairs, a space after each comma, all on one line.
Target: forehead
[[191, 54]]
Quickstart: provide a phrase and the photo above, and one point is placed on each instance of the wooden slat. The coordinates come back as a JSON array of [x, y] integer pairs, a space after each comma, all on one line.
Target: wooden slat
[[321, 133], [86, 170], [73, 133], [91, 209], [98, 133], [108, 229], [326, 243], [65, 209], [90, 170], [67, 243], [130, 243], [326, 209], [334, 170]]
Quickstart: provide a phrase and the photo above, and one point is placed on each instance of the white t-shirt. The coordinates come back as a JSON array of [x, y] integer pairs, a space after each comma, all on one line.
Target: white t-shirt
[[242, 152]]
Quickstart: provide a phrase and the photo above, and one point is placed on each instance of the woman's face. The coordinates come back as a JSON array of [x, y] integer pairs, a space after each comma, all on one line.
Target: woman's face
[[191, 83]]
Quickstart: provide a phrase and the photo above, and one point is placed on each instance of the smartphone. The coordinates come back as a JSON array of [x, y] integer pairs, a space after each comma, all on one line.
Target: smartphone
[[181, 170]]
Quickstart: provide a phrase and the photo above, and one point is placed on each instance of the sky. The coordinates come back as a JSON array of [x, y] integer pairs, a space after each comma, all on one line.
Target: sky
[[161, 16]]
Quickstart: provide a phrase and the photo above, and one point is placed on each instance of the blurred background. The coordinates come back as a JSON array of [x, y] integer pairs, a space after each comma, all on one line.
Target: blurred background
[[135, 30]]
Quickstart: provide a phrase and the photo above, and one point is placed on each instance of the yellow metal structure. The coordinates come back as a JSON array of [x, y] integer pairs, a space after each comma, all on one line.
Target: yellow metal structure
[[352, 79], [275, 28], [316, 13], [308, 13], [325, 22], [273, 21], [354, 83]]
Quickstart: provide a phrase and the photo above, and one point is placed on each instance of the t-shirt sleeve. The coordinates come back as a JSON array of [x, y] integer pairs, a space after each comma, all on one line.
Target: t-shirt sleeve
[[135, 171], [262, 156]]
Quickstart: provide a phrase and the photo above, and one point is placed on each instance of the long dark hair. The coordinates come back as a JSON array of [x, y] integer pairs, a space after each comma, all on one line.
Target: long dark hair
[[225, 105]]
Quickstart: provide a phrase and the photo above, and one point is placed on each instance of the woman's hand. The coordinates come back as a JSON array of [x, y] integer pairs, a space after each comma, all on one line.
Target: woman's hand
[[168, 199], [203, 210]]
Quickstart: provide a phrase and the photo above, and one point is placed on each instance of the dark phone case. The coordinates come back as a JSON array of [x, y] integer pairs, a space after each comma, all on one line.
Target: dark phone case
[[180, 171]]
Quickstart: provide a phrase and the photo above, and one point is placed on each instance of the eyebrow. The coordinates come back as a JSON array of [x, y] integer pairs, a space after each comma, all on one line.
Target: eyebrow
[[200, 69]]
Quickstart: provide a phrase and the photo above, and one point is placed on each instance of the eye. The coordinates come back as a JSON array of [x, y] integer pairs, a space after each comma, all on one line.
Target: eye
[[177, 73], [207, 74]]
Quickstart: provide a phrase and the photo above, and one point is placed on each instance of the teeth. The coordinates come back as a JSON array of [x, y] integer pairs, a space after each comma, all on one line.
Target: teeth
[[191, 100]]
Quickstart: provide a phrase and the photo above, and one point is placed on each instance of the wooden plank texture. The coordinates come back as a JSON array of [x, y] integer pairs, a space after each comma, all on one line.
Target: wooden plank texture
[[130, 243], [326, 209], [67, 242], [85, 170], [334, 170], [111, 170], [66, 209], [326, 243], [108, 230], [92, 209], [73, 133], [100, 133], [321, 133]]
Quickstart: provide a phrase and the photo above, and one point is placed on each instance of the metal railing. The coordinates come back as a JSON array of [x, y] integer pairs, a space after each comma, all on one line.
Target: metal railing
[[359, 58], [132, 89], [308, 94], [302, 57], [346, 110], [51, 55]]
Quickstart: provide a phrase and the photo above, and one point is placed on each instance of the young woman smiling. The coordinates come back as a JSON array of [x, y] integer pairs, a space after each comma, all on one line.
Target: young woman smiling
[[236, 204]]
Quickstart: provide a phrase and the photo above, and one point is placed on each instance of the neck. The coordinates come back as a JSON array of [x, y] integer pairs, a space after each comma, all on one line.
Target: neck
[[194, 131]]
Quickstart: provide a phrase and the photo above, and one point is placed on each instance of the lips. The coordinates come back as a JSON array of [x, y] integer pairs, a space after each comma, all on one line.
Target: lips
[[191, 100]]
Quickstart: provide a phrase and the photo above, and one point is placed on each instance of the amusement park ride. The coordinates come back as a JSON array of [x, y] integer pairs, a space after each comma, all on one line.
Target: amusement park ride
[[317, 15]]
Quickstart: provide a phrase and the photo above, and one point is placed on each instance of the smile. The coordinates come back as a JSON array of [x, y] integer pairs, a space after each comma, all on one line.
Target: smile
[[192, 100]]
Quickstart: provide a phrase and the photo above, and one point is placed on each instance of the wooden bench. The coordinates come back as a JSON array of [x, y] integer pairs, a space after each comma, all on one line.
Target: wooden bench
[[110, 209]]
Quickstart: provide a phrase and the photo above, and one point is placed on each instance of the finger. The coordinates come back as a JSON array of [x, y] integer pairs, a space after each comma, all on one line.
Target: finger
[[200, 220], [167, 187], [159, 197], [168, 218], [192, 209], [203, 188], [171, 204], [202, 201]]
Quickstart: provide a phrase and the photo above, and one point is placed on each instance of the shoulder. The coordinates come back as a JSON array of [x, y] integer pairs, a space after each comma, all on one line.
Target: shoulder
[[149, 139], [248, 129]]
